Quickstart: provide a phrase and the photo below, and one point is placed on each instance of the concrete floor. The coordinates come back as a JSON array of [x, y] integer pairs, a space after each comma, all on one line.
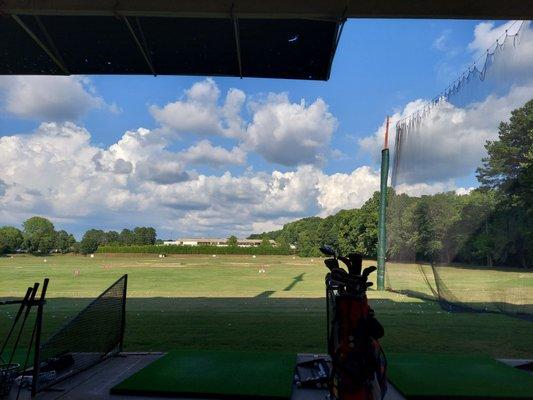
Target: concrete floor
[[95, 383]]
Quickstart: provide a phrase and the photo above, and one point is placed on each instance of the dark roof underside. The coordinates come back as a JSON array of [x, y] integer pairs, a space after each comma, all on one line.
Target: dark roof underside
[[252, 38], [280, 48]]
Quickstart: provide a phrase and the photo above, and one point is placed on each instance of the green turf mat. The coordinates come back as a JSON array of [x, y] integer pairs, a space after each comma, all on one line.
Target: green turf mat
[[438, 376], [214, 374]]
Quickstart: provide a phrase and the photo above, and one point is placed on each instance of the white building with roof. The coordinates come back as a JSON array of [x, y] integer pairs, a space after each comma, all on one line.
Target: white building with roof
[[219, 242]]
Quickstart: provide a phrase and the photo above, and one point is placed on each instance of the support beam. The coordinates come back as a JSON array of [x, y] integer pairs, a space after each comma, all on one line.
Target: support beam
[[236, 33], [144, 53], [38, 41], [49, 39]]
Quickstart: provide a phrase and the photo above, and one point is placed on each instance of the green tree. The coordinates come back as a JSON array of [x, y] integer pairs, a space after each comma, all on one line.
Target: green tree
[[39, 235], [126, 237], [232, 241], [88, 244], [64, 242], [508, 168], [91, 240], [509, 162], [112, 237], [144, 235], [10, 239], [265, 242]]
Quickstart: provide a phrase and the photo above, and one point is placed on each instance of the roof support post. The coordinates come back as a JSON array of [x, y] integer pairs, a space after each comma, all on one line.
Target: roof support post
[[141, 48], [38, 41], [237, 39]]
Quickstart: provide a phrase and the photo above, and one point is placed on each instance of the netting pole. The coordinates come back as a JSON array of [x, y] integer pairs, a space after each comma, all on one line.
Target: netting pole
[[382, 229], [123, 316]]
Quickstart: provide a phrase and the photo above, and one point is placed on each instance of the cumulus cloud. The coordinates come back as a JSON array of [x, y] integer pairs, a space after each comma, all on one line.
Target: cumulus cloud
[[51, 98], [344, 191], [204, 152], [198, 112], [281, 131], [57, 172], [290, 133]]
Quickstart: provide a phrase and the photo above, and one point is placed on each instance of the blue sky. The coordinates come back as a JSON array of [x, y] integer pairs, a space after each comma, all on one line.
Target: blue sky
[[161, 176]]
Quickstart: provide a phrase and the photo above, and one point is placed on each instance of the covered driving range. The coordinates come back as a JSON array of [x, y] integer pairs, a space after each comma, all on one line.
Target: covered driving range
[[256, 39]]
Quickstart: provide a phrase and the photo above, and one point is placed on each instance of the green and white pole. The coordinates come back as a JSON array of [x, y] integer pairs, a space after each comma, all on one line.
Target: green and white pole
[[382, 227]]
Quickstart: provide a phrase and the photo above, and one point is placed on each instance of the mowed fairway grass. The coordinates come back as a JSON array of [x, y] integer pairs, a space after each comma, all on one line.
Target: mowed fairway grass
[[223, 302]]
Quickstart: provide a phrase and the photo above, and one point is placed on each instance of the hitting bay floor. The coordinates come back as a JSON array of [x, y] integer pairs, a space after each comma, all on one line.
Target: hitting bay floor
[[95, 383]]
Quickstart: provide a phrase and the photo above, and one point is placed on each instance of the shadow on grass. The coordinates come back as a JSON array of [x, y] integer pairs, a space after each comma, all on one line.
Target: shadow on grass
[[295, 280], [266, 323]]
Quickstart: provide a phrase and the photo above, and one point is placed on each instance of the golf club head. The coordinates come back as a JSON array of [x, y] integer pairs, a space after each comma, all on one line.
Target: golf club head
[[328, 251], [346, 261], [331, 263], [368, 271], [356, 261]]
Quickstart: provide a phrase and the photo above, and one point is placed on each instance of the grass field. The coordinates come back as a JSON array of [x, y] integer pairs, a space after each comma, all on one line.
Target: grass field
[[205, 302]]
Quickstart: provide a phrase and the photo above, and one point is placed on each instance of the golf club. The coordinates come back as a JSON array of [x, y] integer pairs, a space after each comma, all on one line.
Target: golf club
[[331, 263], [356, 263], [328, 251]]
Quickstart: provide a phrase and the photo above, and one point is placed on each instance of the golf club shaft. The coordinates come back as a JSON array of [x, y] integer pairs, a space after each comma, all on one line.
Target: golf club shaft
[[17, 317], [26, 313], [36, 329]]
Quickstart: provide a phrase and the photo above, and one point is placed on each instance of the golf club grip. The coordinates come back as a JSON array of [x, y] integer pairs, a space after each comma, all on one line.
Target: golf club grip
[[356, 262], [346, 261]]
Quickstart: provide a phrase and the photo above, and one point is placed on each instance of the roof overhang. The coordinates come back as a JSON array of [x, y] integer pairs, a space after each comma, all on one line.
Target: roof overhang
[[294, 39], [284, 9]]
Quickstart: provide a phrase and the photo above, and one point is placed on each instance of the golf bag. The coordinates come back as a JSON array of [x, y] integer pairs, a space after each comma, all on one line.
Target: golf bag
[[358, 361]]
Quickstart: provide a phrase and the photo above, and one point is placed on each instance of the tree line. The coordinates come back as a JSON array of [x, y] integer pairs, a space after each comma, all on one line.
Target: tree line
[[492, 225], [39, 236]]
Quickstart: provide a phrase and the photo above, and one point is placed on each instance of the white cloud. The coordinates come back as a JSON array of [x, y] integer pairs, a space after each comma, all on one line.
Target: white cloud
[[199, 112], [346, 191], [50, 98], [374, 143], [205, 153], [282, 132], [57, 172], [290, 133]]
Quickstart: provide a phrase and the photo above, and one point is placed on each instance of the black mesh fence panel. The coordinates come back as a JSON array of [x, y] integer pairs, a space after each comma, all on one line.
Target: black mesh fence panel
[[460, 217], [92, 335]]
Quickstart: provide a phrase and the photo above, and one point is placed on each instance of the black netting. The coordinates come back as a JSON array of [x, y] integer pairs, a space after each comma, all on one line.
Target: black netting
[[93, 334], [460, 215]]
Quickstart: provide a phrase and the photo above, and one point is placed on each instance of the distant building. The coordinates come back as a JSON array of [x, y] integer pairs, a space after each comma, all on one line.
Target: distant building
[[214, 242]]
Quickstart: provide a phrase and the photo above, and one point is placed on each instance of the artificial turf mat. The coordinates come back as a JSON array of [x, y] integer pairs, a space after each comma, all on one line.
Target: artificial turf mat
[[214, 374], [436, 376]]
